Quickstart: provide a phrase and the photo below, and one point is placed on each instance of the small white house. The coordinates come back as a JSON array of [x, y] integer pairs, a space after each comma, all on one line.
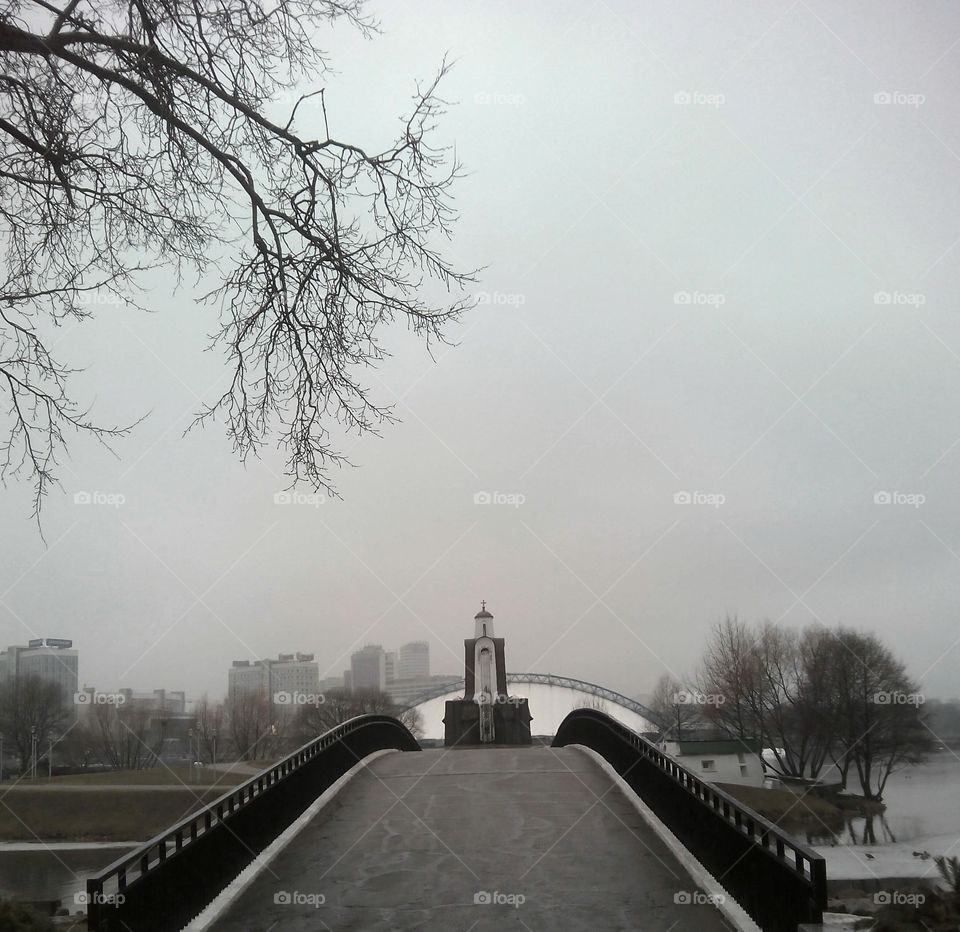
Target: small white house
[[727, 760]]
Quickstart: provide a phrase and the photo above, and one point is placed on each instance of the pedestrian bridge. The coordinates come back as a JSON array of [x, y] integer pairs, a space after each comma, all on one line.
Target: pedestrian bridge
[[600, 831]]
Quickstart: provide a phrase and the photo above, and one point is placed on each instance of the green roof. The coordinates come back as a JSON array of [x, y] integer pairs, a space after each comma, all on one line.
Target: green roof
[[728, 746]]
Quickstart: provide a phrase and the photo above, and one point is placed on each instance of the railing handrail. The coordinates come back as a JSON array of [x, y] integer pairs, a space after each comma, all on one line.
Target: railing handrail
[[248, 791], [670, 767]]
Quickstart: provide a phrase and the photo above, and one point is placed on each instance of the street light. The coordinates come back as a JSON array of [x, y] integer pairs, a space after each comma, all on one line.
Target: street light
[[214, 748], [33, 752]]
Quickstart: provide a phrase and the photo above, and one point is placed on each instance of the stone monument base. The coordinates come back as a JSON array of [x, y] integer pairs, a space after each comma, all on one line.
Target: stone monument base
[[511, 722]]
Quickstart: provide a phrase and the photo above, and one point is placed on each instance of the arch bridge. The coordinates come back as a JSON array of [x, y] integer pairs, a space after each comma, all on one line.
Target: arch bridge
[[592, 833]]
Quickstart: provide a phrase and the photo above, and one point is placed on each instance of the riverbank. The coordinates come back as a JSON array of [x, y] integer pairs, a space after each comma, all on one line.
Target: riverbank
[[802, 811], [85, 814]]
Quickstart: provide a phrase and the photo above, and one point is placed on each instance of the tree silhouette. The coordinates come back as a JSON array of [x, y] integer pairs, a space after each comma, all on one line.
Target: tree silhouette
[[135, 134]]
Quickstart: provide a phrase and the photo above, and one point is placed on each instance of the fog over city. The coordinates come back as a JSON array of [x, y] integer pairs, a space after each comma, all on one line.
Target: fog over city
[[713, 368]]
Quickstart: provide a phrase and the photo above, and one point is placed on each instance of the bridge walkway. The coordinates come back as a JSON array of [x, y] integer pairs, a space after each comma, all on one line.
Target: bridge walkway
[[474, 840]]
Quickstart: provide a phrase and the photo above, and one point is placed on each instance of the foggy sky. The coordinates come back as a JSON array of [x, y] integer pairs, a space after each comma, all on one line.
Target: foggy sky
[[677, 297]]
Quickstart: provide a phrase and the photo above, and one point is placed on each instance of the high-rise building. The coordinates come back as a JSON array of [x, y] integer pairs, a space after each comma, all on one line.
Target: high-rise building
[[368, 668], [247, 677], [292, 674], [414, 661], [53, 660], [390, 665]]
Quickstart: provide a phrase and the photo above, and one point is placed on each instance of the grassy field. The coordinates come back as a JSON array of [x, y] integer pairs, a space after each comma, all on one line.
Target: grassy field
[[155, 776], [793, 810], [114, 815]]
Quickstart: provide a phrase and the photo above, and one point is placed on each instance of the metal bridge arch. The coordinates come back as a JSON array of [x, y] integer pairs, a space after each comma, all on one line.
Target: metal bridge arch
[[547, 679]]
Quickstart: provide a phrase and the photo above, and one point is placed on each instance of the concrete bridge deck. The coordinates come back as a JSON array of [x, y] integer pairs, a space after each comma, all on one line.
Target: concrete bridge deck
[[415, 839]]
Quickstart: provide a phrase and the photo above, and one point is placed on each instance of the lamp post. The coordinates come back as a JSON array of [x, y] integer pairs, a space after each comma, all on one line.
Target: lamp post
[[49, 758], [214, 748], [33, 752]]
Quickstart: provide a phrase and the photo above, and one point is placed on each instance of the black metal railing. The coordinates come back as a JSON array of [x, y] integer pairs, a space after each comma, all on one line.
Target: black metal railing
[[777, 880], [165, 883]]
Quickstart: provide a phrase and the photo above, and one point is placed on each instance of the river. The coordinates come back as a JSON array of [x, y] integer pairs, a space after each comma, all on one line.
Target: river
[[923, 804]]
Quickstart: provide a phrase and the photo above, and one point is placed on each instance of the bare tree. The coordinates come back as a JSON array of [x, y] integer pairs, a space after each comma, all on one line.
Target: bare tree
[[141, 134], [254, 726], [124, 737], [879, 720], [671, 703], [210, 721], [730, 678], [340, 705], [31, 708]]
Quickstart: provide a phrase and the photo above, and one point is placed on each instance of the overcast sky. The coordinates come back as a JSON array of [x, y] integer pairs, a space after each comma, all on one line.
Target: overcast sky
[[717, 263]]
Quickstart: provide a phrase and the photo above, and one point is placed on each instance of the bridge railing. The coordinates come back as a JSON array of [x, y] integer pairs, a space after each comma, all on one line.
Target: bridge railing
[[777, 880], [166, 882]]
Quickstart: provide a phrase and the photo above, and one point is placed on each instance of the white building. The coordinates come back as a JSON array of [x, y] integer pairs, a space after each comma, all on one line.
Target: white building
[[414, 661], [728, 760], [293, 674]]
